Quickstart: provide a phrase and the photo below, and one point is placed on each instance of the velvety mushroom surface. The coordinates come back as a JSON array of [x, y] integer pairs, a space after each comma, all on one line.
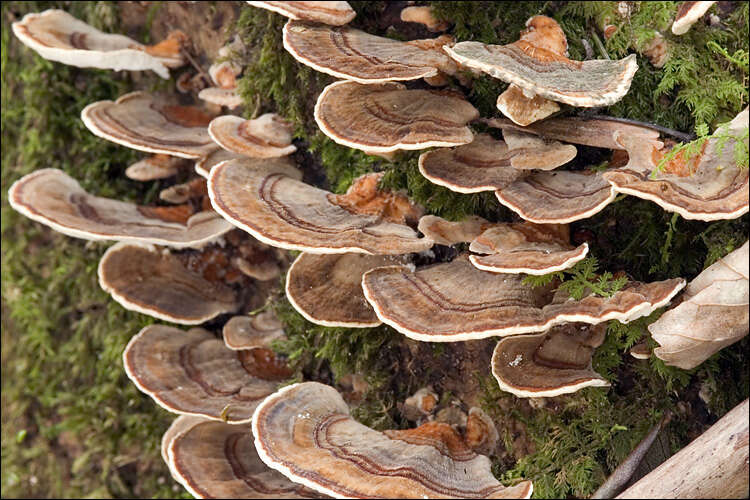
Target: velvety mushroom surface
[[268, 136], [549, 364], [710, 186], [249, 332], [57, 36], [305, 432], [352, 54], [218, 460], [194, 373], [269, 202], [139, 121], [455, 301], [335, 13], [385, 117], [56, 200], [533, 64]]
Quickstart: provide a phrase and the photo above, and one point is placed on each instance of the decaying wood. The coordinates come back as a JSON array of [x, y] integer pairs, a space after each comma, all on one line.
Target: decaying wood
[[715, 465]]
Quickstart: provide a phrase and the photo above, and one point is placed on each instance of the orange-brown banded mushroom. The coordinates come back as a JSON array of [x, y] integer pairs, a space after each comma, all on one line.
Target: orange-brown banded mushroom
[[481, 433], [710, 186], [522, 110], [56, 200], [688, 14], [423, 15], [557, 197], [534, 63], [334, 13], [179, 425], [142, 278], [420, 404], [268, 136], [327, 289], [354, 55], [249, 332], [444, 232], [193, 373], [549, 364], [137, 120], [268, 201], [525, 248], [531, 152], [205, 163], [154, 167], [384, 117], [218, 460], [305, 432], [455, 301], [57, 36]]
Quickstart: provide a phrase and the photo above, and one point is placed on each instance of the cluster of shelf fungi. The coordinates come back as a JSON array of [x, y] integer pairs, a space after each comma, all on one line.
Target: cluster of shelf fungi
[[220, 247]]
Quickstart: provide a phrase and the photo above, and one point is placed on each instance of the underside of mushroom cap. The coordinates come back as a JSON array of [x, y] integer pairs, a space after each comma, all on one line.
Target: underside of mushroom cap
[[193, 373], [522, 110], [138, 120], [354, 55], [549, 364], [335, 13], [142, 278], [56, 200], [385, 117], [268, 136], [305, 432], [284, 212]]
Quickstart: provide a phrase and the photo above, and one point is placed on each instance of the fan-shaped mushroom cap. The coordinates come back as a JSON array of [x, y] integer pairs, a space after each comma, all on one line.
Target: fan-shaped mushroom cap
[[423, 15], [56, 200], [444, 232], [334, 13], [327, 289], [549, 364], [194, 189], [354, 55], [710, 186], [268, 136], [384, 117], [138, 121], [179, 425], [534, 63], [223, 97], [524, 248], [142, 278], [205, 163], [482, 165], [688, 14], [522, 110], [57, 36], [712, 315], [249, 332], [305, 432], [640, 351], [154, 167], [531, 152], [193, 373], [218, 460], [557, 197], [268, 202], [455, 301]]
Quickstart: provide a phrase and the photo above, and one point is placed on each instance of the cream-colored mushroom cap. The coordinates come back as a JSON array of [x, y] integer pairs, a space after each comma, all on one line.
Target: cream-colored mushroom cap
[[139, 121], [522, 110], [57, 36], [334, 13], [549, 364], [305, 432], [268, 136], [530, 152], [223, 97], [688, 14], [710, 186], [445, 232], [384, 117], [151, 281], [204, 164], [194, 373], [354, 55], [268, 201], [153, 167], [538, 68], [218, 460], [423, 15], [56, 200], [249, 332]]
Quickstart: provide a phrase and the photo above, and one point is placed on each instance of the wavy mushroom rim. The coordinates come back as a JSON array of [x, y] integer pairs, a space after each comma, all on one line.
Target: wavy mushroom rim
[[214, 129], [565, 220], [453, 187], [583, 250], [278, 9]]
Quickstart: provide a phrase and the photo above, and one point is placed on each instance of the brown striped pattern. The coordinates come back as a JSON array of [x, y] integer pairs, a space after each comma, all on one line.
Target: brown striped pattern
[[331, 12]]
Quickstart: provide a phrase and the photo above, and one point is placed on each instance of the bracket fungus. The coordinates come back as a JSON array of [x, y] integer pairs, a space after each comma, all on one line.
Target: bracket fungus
[[385, 117], [712, 315], [204, 164], [423, 15], [445, 232], [354, 55], [335, 13], [455, 301], [688, 14], [535, 64], [531, 152], [138, 120], [709, 186], [268, 201], [57, 36], [153, 167], [268, 136], [194, 373], [522, 110], [56, 200], [250, 332], [551, 363], [305, 432]]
